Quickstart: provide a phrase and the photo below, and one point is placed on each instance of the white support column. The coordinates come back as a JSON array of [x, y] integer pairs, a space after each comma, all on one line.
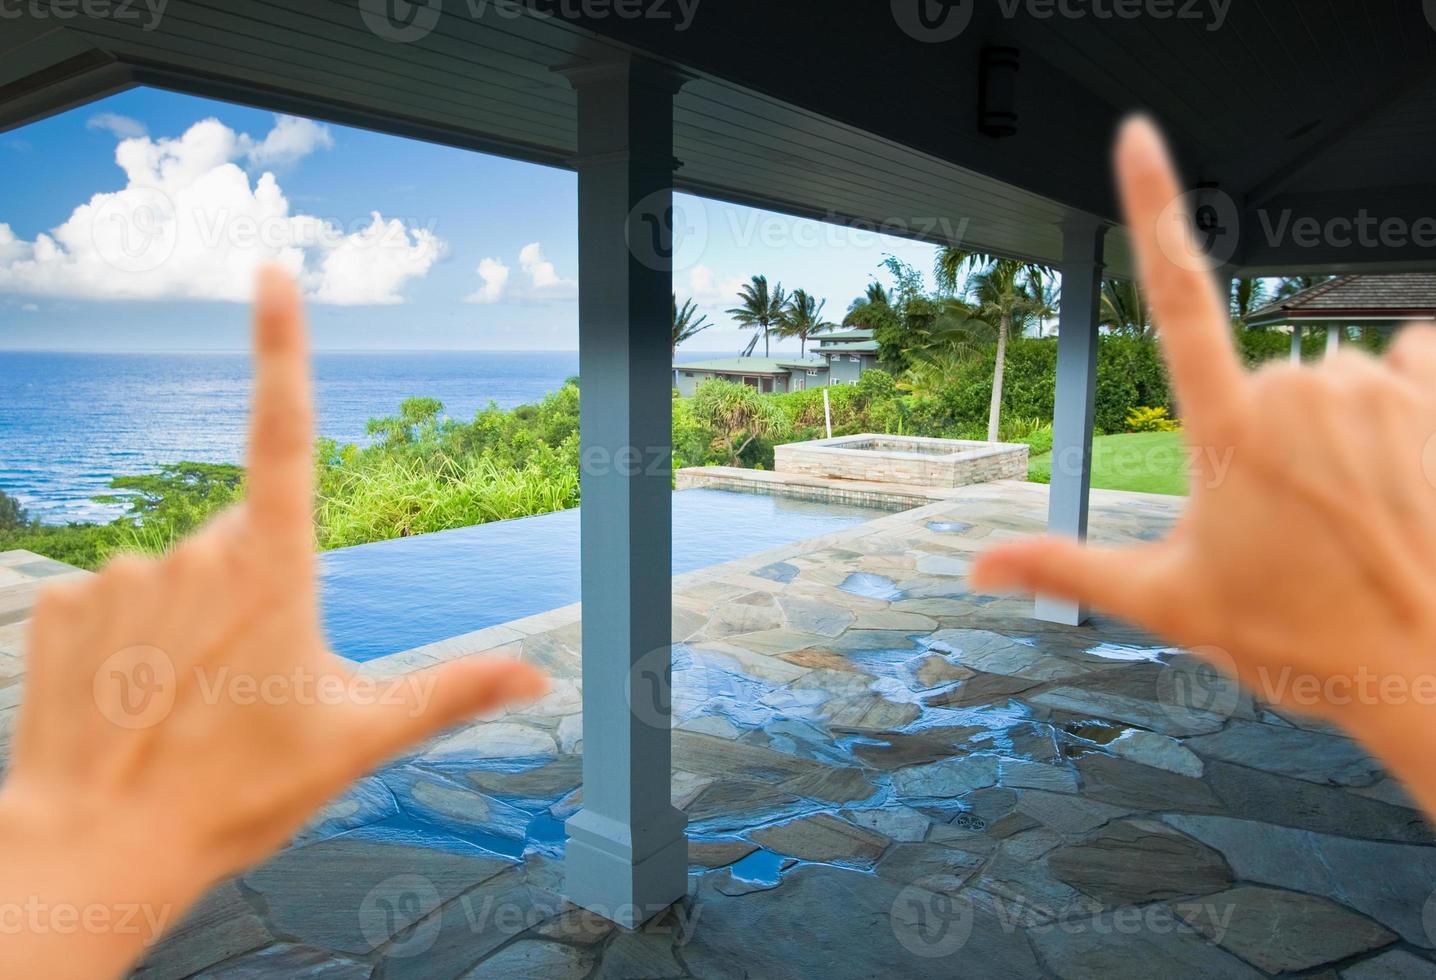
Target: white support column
[[1296, 343], [1333, 340], [627, 855], [1082, 246]]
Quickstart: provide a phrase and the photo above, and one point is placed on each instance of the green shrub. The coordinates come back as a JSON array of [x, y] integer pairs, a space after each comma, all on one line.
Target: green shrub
[[1149, 419], [81, 545], [12, 515], [744, 423], [1036, 433]]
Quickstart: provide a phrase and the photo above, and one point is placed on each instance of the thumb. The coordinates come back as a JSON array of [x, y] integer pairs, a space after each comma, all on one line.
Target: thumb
[[1116, 580], [425, 702]]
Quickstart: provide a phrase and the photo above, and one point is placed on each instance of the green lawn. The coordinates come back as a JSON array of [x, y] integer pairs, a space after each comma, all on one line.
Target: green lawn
[[1146, 462]]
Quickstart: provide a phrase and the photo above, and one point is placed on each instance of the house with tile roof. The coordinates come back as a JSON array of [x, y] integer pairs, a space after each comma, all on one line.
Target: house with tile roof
[[841, 357], [1383, 302]]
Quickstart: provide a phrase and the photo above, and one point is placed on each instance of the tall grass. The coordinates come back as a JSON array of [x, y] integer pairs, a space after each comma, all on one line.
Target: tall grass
[[390, 497]]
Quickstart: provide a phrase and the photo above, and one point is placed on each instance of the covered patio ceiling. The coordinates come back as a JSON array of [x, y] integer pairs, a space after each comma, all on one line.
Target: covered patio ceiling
[[1285, 109]]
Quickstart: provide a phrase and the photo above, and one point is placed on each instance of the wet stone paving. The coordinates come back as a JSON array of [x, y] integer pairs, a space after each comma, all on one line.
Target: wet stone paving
[[885, 776]]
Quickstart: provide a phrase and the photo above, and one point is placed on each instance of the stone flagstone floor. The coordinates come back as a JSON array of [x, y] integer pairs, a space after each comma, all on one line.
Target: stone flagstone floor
[[885, 776]]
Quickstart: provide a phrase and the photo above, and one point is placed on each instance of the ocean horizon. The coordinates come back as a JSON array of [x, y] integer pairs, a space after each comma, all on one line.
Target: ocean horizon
[[70, 421]]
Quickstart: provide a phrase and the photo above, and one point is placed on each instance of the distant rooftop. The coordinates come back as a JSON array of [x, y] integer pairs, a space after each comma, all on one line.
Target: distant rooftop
[[753, 365], [866, 346], [852, 333], [1355, 300]]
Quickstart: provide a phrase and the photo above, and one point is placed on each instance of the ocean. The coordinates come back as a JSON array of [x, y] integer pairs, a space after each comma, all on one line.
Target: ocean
[[71, 421]]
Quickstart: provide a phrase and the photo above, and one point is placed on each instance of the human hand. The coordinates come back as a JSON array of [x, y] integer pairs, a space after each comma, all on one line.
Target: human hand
[[183, 715], [1307, 552]]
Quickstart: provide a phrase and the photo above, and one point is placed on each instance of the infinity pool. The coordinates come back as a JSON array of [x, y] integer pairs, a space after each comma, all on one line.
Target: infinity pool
[[382, 598]]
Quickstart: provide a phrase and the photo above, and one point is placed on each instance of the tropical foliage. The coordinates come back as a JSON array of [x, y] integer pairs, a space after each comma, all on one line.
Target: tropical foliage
[[1124, 309], [1005, 293], [761, 309], [687, 322], [802, 318], [1148, 419], [736, 414], [959, 360]]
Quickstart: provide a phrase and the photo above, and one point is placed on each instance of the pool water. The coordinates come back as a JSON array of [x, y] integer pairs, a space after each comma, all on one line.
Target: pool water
[[394, 595]]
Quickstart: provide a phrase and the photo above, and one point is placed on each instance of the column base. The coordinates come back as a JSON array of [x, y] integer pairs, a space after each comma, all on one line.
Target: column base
[[603, 874], [1060, 611]]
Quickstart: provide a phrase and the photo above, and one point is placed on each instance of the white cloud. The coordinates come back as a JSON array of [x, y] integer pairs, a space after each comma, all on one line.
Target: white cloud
[[538, 280], [371, 266], [495, 276], [543, 277], [190, 224], [711, 293], [30, 308], [121, 127], [291, 139]]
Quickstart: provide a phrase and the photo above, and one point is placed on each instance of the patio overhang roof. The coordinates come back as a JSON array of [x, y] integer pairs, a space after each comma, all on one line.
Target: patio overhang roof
[[897, 148]]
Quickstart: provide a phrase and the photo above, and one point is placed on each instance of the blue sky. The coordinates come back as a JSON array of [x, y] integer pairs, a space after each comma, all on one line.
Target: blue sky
[[407, 280]]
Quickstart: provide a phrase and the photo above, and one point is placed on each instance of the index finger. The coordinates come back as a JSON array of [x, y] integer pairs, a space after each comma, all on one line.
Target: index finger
[[1193, 323], [281, 452]]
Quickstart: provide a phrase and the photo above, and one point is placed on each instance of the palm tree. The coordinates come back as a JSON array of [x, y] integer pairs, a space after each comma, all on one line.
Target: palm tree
[[998, 297], [955, 264], [762, 309], [1124, 308], [1292, 285], [1046, 297], [1002, 301], [802, 319], [685, 327], [1247, 295], [869, 307]]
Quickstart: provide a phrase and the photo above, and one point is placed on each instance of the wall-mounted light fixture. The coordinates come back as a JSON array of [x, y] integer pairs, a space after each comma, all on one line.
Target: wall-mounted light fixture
[[997, 91]]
